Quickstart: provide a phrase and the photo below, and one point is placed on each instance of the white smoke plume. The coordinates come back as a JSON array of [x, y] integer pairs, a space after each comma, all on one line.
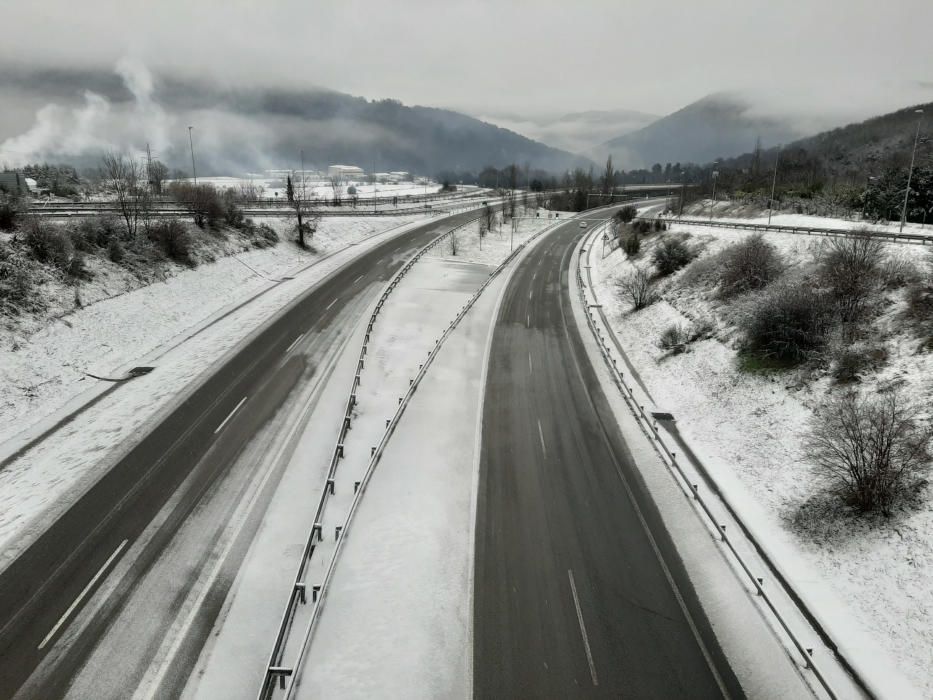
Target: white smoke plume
[[96, 125]]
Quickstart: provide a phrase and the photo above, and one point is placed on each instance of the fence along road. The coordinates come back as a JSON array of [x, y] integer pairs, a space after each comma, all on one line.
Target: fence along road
[[578, 590]]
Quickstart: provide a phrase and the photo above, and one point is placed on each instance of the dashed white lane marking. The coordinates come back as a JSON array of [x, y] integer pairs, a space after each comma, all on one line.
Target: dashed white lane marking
[[227, 419], [531, 368], [330, 305], [77, 601], [586, 640], [357, 279], [294, 343], [541, 437]]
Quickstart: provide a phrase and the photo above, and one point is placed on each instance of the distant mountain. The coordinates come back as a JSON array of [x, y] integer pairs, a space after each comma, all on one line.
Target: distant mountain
[[855, 150], [238, 130], [875, 143], [579, 132], [718, 126]]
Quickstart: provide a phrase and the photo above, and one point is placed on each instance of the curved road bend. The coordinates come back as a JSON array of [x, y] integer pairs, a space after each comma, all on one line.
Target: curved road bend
[[58, 573], [574, 591]]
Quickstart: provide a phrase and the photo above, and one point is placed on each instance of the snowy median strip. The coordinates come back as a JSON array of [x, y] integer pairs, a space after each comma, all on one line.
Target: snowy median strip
[[279, 674]]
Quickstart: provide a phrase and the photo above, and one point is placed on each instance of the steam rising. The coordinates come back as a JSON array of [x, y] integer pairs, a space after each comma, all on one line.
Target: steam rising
[[95, 125]]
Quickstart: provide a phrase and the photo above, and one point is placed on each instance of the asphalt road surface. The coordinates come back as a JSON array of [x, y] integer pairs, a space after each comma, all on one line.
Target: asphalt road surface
[[578, 589], [44, 588]]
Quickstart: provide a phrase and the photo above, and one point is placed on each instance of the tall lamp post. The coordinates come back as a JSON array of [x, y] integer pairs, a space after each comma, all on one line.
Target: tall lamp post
[[683, 191], [191, 143], [777, 161], [910, 172], [713, 200]]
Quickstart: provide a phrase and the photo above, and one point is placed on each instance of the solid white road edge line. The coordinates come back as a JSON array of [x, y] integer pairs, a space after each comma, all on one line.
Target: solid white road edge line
[[77, 601], [294, 343], [327, 308], [541, 437], [586, 640], [227, 419]]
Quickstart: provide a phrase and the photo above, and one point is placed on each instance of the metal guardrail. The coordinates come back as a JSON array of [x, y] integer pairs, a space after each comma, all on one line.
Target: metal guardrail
[[915, 238], [275, 671], [650, 429]]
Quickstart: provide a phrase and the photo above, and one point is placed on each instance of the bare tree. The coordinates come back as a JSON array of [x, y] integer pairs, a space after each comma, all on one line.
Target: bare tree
[[608, 177], [489, 217], [158, 173], [336, 186], [124, 175], [638, 288], [851, 269], [872, 448], [306, 223]]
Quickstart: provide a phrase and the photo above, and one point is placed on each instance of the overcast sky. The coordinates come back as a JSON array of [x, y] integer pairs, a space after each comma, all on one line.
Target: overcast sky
[[508, 56]]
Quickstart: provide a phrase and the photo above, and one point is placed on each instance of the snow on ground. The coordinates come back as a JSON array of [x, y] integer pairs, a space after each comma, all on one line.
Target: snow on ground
[[141, 327], [727, 211], [272, 187], [417, 312], [496, 245], [397, 617], [748, 430], [41, 372]]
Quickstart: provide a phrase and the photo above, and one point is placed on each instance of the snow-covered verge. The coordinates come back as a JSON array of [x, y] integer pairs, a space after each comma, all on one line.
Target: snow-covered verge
[[750, 214], [125, 316], [748, 429], [182, 327]]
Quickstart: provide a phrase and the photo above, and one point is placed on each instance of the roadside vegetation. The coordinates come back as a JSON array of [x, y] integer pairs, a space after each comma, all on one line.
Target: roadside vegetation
[[834, 313], [37, 252]]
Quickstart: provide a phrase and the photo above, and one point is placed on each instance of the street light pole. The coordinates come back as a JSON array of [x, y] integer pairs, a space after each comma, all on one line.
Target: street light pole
[[910, 172], [777, 160], [191, 143], [713, 201], [683, 191]]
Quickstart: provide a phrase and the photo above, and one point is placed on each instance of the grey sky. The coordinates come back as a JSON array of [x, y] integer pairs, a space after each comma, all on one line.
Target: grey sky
[[846, 56]]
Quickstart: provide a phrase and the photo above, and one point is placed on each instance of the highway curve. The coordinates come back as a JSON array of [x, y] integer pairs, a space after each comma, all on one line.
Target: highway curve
[[579, 592], [45, 582]]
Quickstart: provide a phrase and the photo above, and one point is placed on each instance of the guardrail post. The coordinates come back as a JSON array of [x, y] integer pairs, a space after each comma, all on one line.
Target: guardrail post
[[337, 532], [760, 584], [809, 654], [400, 400], [696, 495], [316, 528], [356, 486], [372, 451], [723, 536], [330, 486], [315, 591], [388, 420], [340, 446], [281, 673], [300, 587]]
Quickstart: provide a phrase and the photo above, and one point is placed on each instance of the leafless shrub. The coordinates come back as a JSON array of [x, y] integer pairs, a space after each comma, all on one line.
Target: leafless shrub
[[19, 277], [750, 264], [638, 288], [674, 338], [787, 323], [851, 270], [850, 361], [871, 448], [49, 244], [631, 243], [671, 254], [899, 271], [174, 240]]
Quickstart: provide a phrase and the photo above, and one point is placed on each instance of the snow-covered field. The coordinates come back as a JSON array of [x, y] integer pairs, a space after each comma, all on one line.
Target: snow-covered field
[[169, 325], [748, 429], [273, 187]]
